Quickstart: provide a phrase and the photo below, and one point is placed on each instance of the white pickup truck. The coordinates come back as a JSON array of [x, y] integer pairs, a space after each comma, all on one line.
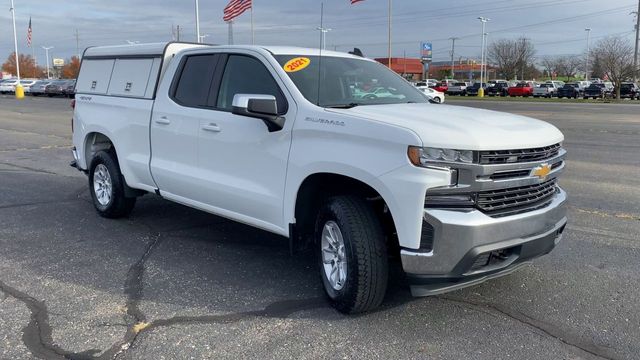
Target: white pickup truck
[[282, 139]]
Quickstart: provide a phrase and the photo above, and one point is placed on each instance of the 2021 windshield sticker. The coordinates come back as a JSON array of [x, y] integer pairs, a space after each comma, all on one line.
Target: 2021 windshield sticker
[[296, 64]]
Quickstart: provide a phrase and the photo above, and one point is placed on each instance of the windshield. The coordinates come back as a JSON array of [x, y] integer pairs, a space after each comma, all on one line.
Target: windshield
[[346, 82]]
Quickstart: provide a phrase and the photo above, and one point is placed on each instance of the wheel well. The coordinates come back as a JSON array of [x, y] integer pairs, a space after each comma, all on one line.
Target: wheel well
[[95, 142], [314, 191]]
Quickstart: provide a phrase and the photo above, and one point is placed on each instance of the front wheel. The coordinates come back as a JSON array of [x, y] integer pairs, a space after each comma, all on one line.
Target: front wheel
[[106, 185], [352, 254], [437, 100]]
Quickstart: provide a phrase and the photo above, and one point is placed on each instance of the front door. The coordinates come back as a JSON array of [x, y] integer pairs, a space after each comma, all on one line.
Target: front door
[[244, 164]]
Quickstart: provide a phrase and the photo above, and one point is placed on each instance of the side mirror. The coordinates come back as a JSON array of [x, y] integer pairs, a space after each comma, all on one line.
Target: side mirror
[[263, 107]]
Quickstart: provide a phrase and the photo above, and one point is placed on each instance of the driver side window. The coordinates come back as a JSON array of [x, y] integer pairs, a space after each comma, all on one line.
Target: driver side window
[[247, 75]]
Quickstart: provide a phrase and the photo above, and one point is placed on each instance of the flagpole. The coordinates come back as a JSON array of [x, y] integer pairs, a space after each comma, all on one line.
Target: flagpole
[[389, 50], [197, 22], [253, 36]]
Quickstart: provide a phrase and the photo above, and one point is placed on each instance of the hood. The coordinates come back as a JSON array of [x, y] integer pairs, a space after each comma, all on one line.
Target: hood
[[462, 128]]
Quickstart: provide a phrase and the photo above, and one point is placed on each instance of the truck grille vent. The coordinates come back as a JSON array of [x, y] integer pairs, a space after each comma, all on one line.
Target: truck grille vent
[[505, 202], [491, 259], [426, 240], [518, 156]]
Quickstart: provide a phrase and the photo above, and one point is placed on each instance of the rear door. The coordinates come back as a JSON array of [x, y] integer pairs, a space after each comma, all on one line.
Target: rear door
[[175, 126]]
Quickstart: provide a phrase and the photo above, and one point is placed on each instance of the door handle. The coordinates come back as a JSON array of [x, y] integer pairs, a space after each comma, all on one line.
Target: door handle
[[163, 121], [211, 127]]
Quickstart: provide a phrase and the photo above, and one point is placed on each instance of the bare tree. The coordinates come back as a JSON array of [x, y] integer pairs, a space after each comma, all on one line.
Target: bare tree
[[615, 57], [568, 66], [512, 57], [550, 65]]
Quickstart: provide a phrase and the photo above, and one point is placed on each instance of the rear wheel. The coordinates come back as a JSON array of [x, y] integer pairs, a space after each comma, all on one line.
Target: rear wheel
[[352, 254], [107, 187]]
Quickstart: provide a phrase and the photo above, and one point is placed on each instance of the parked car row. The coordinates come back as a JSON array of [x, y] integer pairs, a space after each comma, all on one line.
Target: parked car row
[[36, 87], [579, 89]]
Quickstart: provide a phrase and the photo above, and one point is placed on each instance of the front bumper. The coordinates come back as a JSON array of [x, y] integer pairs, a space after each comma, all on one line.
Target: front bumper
[[463, 240]]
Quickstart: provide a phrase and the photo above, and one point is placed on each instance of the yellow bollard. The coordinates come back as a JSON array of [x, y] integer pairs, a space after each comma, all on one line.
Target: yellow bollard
[[19, 92], [481, 92]]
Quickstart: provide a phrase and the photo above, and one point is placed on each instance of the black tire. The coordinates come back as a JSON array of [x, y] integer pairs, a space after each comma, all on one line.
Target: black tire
[[365, 250], [118, 205], [437, 100]]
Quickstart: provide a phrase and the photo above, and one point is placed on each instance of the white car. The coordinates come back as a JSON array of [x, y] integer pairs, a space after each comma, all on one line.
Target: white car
[[432, 94], [26, 84], [8, 86], [251, 133]]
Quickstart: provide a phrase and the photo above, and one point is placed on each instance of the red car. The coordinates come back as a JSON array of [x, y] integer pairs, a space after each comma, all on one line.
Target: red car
[[442, 87], [521, 89]]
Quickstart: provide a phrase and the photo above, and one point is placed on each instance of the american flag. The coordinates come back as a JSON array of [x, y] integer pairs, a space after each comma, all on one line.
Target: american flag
[[355, 1], [235, 8], [29, 32]]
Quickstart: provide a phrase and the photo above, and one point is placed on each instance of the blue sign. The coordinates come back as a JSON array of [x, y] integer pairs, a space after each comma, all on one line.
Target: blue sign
[[426, 51]]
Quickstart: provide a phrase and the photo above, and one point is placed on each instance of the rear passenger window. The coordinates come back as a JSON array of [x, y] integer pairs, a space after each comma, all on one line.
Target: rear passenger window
[[192, 89], [247, 75]]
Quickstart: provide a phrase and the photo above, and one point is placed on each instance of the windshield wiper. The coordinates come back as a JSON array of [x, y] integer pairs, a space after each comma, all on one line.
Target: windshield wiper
[[343, 106]]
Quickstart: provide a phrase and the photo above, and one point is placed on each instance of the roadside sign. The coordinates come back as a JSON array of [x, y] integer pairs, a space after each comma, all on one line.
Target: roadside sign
[[58, 62], [426, 51]]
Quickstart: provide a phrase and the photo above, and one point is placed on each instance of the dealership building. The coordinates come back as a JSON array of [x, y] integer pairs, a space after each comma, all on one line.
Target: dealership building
[[413, 69]]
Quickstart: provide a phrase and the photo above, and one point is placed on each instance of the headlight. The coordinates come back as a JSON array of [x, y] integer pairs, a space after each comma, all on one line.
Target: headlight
[[423, 156]]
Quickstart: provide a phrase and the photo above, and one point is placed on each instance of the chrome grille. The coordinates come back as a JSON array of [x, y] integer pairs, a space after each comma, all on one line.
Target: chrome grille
[[518, 156], [517, 200]]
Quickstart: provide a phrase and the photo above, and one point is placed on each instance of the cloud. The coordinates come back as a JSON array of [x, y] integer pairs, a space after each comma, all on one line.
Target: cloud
[[363, 25]]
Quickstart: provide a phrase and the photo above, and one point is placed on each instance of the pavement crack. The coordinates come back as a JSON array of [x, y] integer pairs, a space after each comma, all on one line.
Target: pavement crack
[[41, 171], [37, 334], [548, 329]]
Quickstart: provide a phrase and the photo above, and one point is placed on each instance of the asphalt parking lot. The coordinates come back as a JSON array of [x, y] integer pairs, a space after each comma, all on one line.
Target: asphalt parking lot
[[174, 283]]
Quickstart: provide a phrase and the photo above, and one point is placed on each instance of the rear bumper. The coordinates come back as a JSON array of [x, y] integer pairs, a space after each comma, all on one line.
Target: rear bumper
[[464, 240]]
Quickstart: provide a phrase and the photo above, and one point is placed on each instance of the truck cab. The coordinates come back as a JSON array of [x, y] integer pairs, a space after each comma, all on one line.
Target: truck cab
[[333, 151]]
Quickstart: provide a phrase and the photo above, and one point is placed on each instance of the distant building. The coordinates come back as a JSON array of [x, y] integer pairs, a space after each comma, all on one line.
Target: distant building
[[413, 69], [465, 69], [409, 68]]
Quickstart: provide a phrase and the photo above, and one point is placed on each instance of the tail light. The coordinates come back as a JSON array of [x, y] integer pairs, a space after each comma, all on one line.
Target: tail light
[[73, 106]]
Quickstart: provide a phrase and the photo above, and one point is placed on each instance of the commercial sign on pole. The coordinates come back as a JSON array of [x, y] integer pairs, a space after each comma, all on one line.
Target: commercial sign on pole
[[58, 62], [426, 51]]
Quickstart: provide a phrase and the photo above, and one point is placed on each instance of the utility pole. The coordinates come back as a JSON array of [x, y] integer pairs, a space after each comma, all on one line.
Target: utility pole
[[178, 32], [46, 49], [586, 65], [453, 54], [78, 44], [635, 55], [230, 22]]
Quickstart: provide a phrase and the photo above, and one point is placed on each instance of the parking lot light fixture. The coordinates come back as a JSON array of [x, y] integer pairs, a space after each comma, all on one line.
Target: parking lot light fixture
[[19, 90], [586, 65], [484, 21], [46, 49]]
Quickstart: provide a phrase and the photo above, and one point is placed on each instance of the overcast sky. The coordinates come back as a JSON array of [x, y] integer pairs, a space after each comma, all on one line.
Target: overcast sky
[[554, 26]]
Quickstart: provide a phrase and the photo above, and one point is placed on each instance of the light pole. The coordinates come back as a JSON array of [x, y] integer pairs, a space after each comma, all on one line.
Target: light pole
[[46, 49], [202, 37], [586, 66], [324, 36], [484, 21], [197, 22], [19, 90]]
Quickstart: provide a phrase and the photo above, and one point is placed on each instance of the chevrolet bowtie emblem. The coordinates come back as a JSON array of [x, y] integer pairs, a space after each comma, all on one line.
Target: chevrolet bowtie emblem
[[541, 171]]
